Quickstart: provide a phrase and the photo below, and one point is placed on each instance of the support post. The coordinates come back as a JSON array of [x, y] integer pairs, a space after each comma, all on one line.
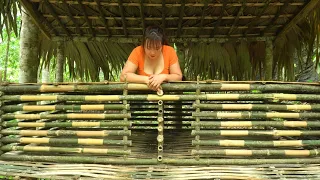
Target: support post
[[268, 60], [60, 62]]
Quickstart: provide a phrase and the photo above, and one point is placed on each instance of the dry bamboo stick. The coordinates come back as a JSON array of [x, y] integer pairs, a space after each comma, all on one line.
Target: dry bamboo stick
[[73, 141], [102, 151], [249, 143], [264, 152], [93, 133]]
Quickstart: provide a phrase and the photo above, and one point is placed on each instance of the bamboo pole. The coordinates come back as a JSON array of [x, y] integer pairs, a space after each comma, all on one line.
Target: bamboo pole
[[183, 162], [279, 124], [259, 107], [93, 133], [151, 97], [65, 116], [239, 133], [67, 124], [179, 86], [101, 151], [73, 141], [264, 152], [91, 107], [248, 115], [249, 143]]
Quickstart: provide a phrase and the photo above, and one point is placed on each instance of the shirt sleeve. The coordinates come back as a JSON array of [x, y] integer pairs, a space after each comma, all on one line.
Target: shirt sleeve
[[173, 58], [134, 56]]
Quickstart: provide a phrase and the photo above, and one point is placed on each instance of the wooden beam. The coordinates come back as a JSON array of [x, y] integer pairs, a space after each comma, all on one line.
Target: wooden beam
[[254, 21], [86, 17], [55, 15], [198, 4], [124, 25], [38, 19], [172, 39], [103, 18], [176, 18], [216, 26], [202, 17], [164, 12], [275, 18], [301, 15], [180, 17], [235, 22], [142, 16], [71, 17]]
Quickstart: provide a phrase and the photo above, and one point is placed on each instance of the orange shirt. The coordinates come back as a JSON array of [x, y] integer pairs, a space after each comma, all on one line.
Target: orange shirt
[[169, 56]]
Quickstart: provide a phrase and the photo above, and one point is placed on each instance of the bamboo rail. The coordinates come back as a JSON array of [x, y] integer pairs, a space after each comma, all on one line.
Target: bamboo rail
[[249, 143], [257, 123], [66, 116], [91, 107], [78, 141], [259, 107], [181, 86], [248, 115], [255, 133], [101, 151], [66, 124], [100, 160], [151, 97], [77, 133], [265, 152]]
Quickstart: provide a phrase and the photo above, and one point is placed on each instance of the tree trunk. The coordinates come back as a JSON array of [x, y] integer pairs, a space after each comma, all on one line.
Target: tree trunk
[[29, 49], [45, 74]]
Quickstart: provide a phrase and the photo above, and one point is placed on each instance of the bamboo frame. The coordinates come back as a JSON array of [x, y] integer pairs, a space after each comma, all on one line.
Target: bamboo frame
[[265, 152], [67, 124], [68, 116], [250, 115], [261, 133], [256, 123]]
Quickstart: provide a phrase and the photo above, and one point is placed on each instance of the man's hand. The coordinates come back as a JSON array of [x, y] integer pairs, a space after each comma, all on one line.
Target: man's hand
[[156, 80]]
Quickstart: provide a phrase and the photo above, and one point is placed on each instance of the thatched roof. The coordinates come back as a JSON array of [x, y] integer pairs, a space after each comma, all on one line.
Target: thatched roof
[[220, 39], [122, 19]]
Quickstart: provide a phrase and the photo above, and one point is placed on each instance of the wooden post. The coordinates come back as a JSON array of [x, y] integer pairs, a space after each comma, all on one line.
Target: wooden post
[[269, 60], [60, 62]]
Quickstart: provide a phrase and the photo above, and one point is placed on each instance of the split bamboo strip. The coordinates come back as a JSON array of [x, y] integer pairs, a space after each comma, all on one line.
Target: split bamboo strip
[[248, 115], [66, 116], [66, 124], [152, 97], [257, 123], [73, 141], [181, 86], [265, 152], [255, 133], [101, 151], [184, 162], [77, 133], [258, 107], [90, 107], [249, 143]]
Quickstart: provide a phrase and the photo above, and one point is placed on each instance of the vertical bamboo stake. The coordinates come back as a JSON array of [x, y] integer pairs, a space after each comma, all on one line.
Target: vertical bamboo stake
[[1, 112], [125, 128], [268, 60], [197, 138], [160, 130]]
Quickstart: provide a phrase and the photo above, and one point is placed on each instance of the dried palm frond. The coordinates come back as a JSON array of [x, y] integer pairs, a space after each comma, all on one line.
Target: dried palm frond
[[243, 57], [9, 16]]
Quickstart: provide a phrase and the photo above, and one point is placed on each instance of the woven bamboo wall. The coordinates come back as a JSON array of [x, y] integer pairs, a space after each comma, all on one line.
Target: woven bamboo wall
[[192, 123]]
